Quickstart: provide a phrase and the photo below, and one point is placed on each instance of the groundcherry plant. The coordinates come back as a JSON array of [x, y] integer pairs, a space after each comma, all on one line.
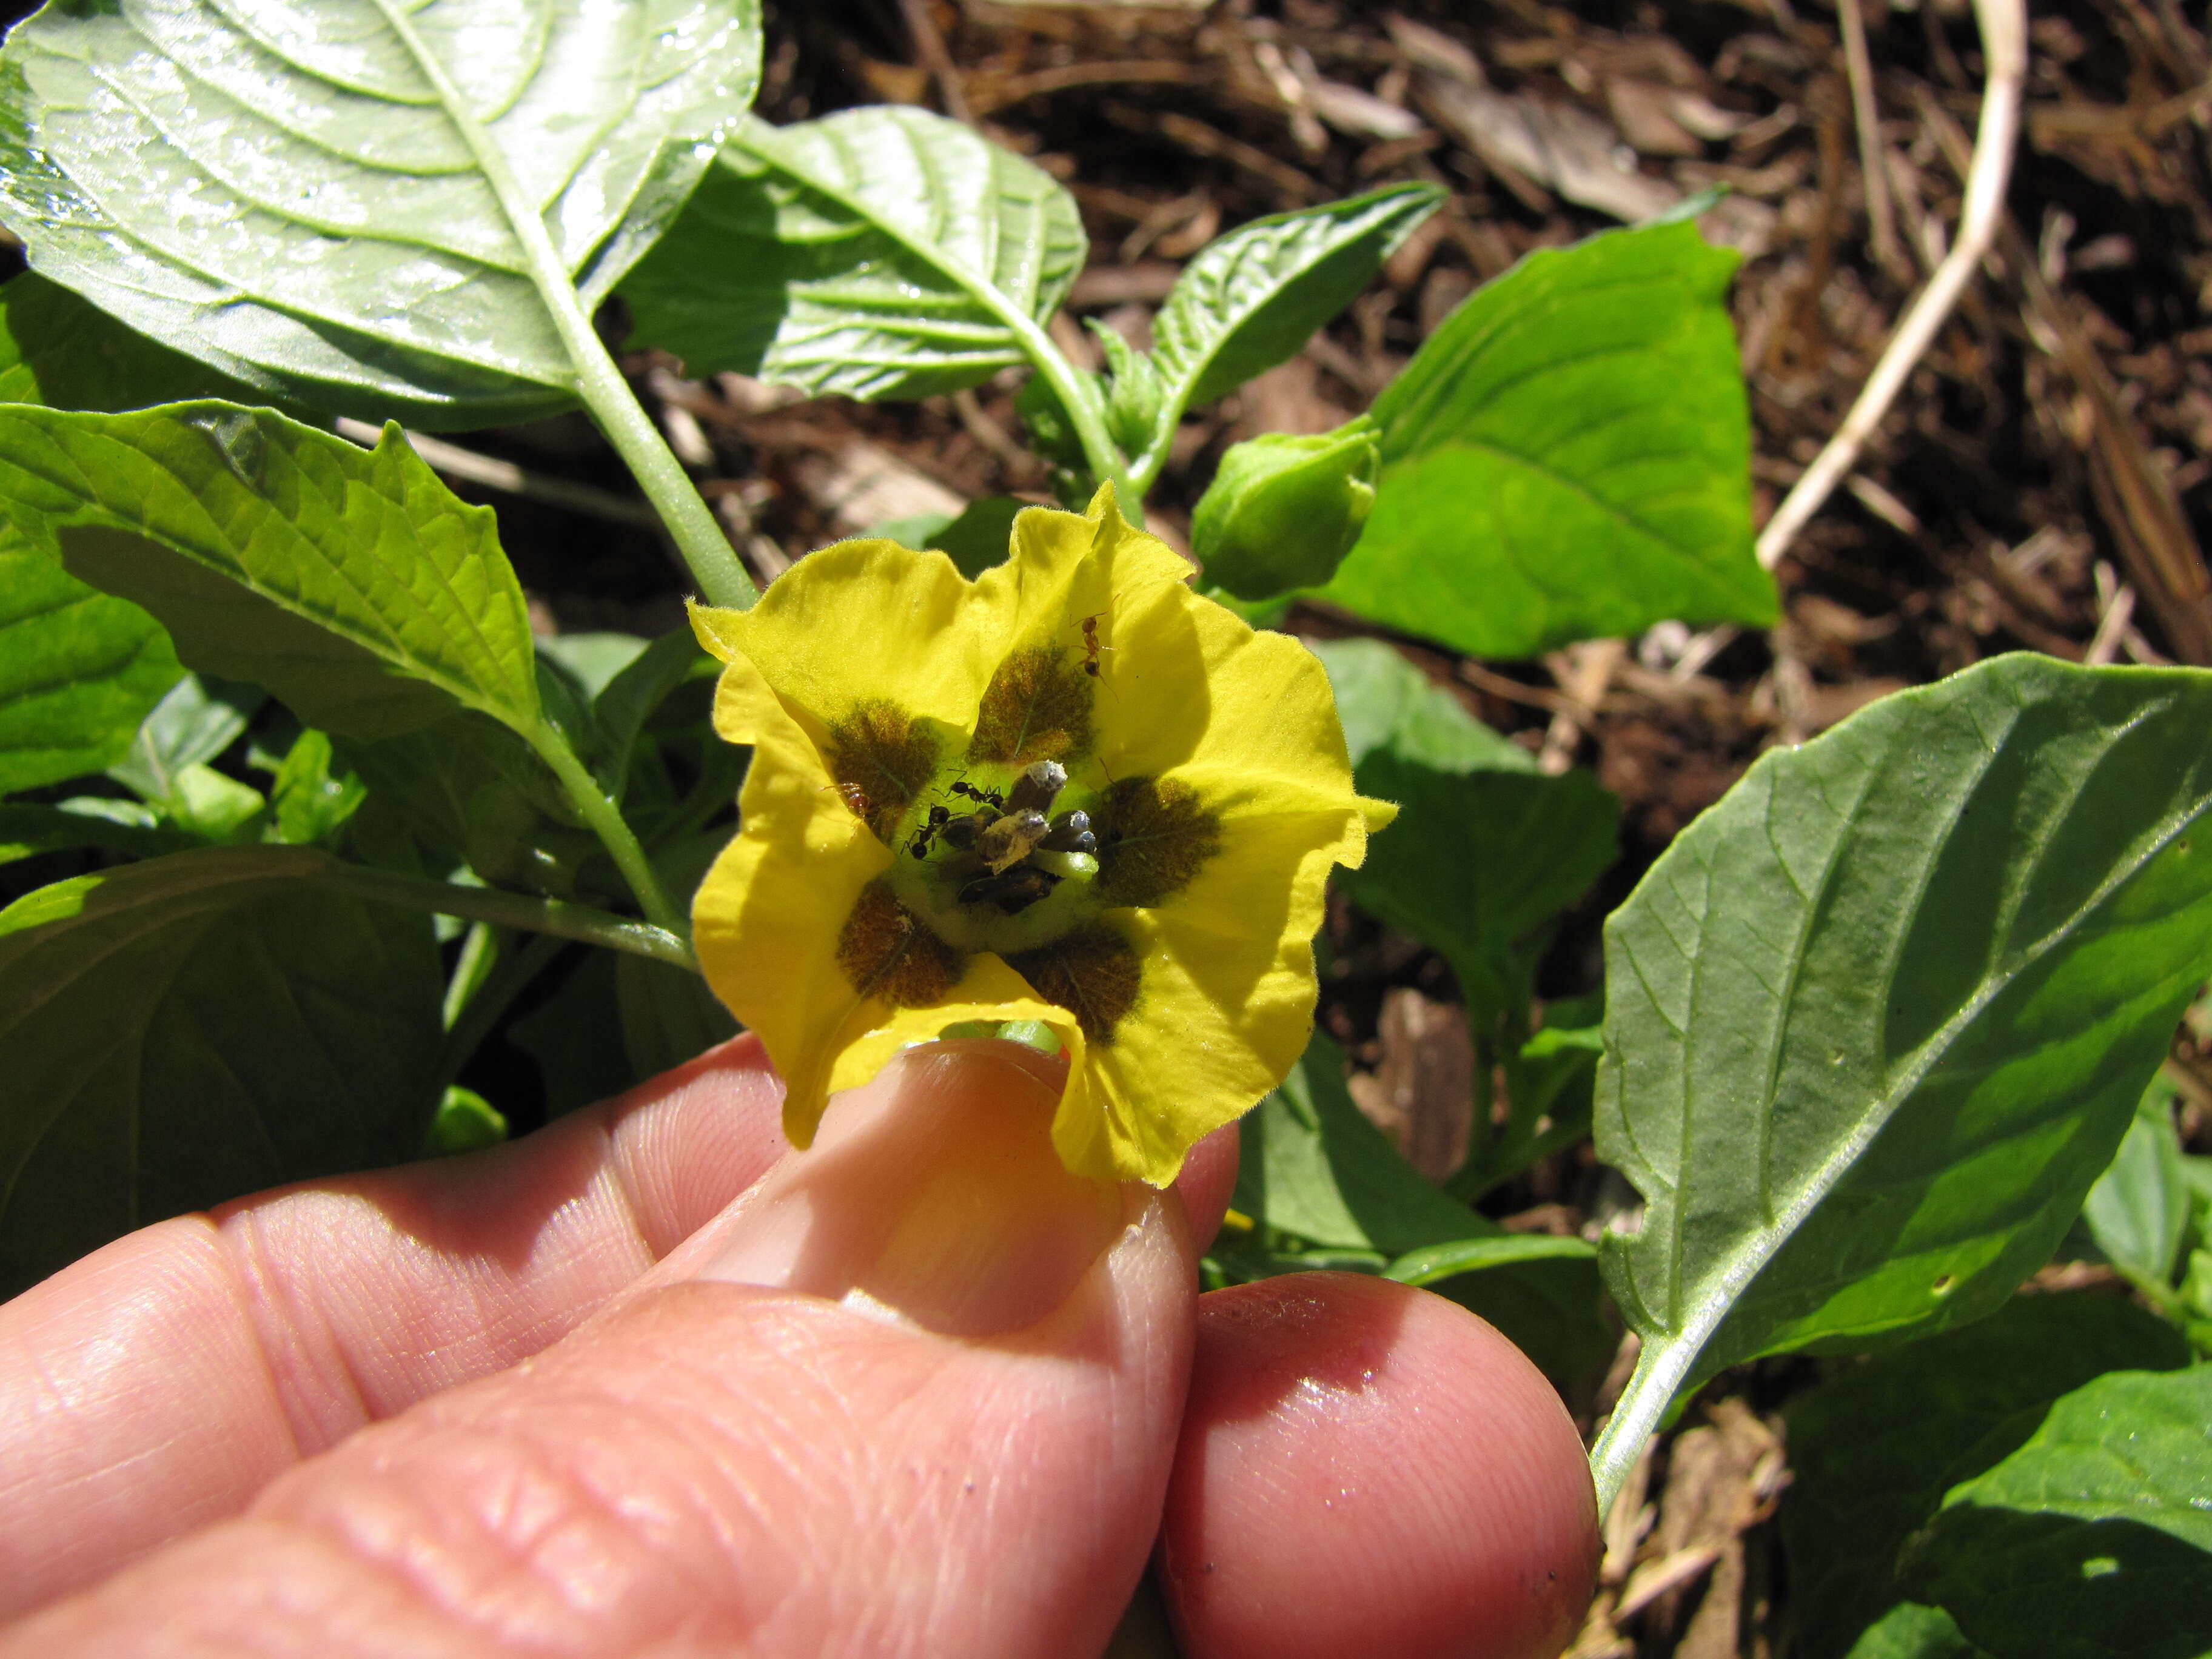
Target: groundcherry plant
[[297, 813]]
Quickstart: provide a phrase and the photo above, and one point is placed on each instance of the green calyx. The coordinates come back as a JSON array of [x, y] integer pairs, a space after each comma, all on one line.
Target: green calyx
[[1283, 511]]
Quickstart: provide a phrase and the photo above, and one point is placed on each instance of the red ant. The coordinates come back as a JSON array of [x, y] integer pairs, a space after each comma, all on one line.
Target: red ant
[[856, 798], [1090, 645]]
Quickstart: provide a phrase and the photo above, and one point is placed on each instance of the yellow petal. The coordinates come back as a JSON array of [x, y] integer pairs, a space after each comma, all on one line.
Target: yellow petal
[[767, 919]]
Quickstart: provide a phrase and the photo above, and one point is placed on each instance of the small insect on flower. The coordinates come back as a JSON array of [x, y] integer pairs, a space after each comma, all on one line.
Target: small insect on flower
[[855, 798], [1141, 873]]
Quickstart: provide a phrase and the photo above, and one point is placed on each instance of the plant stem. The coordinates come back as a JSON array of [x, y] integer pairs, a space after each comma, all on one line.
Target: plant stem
[[580, 922], [613, 829], [1660, 1370], [466, 1033], [713, 561], [1079, 395]]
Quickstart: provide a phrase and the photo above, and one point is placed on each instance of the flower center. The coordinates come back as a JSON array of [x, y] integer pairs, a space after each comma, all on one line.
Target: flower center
[[995, 859]]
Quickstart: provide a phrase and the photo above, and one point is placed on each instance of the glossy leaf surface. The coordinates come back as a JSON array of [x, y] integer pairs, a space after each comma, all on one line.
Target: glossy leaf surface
[[1567, 458], [879, 253], [350, 582], [2095, 1538], [180, 1031], [1875, 1021], [369, 183]]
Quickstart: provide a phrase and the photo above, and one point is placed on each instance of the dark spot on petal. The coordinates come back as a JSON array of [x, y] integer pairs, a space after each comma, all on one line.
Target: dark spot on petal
[[1154, 836], [1092, 973], [888, 952], [888, 755], [1037, 707]]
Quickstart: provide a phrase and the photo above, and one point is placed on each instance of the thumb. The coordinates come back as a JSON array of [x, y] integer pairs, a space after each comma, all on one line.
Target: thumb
[[915, 1393]]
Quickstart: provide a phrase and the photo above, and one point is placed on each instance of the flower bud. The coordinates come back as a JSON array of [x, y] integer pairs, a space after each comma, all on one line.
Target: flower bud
[[1283, 511]]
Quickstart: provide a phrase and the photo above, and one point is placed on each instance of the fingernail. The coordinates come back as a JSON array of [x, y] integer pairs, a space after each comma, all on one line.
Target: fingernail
[[933, 1194]]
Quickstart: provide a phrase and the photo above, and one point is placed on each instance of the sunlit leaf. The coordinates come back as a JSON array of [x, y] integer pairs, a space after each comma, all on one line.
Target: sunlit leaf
[[1251, 299], [79, 670], [368, 207], [1568, 458], [1875, 1021], [350, 582], [879, 252]]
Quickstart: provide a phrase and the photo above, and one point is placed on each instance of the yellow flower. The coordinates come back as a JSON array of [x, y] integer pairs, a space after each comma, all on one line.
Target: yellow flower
[[1070, 792]]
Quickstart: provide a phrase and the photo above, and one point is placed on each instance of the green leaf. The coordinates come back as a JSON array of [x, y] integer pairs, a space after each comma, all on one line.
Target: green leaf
[[881, 253], [313, 800], [1251, 299], [1876, 1447], [975, 537], [58, 348], [388, 204], [1567, 458], [591, 660], [1433, 1262], [190, 726], [1315, 1168], [27, 830], [2095, 1538], [1388, 705], [630, 698], [465, 1122], [1875, 1021], [1909, 1630], [2138, 1209], [181, 1031], [350, 582], [78, 670], [468, 791], [575, 1036], [1486, 851], [668, 1015]]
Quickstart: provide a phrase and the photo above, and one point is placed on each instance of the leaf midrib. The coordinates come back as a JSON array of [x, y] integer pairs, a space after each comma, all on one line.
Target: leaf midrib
[[1710, 1309]]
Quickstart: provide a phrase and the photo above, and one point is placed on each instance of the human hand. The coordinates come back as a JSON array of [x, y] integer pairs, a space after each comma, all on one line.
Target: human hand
[[916, 1391]]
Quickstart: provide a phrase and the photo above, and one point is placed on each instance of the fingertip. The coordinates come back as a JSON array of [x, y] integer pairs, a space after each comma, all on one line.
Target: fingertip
[[1368, 1468], [1208, 1178]]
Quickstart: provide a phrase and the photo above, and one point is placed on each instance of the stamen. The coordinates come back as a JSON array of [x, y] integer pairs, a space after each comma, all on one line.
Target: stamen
[[1037, 788], [1010, 840]]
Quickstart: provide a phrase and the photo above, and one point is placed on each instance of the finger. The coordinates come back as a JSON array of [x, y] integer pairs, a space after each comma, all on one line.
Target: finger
[[1368, 1468], [946, 1429], [159, 1383]]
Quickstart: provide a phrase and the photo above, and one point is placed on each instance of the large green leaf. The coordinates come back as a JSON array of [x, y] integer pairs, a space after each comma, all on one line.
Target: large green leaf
[[1874, 1447], [1875, 1021], [368, 205], [350, 582], [1568, 457], [879, 252], [1317, 1169], [1250, 300], [2095, 1538], [79, 670], [178, 1032]]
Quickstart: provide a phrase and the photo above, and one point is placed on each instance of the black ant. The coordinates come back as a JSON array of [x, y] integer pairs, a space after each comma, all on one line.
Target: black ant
[[939, 817], [990, 797]]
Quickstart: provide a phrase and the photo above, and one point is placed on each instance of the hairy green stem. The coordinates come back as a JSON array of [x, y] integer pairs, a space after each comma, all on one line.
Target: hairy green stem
[[1079, 397], [613, 829], [706, 551], [1661, 1369], [580, 922]]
